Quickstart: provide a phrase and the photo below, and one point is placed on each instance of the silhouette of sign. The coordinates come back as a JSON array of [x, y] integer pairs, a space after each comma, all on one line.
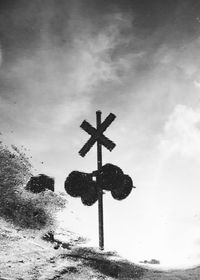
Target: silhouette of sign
[[97, 135], [108, 177]]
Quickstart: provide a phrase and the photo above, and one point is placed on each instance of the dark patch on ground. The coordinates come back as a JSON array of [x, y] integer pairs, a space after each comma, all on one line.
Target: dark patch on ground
[[64, 271], [116, 269], [100, 262]]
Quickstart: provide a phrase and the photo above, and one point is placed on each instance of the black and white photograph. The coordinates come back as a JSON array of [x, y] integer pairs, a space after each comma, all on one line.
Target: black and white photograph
[[99, 139]]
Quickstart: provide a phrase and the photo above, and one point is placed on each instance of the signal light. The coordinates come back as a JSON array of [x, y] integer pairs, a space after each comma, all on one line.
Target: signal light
[[90, 196], [80, 184], [110, 178], [124, 190], [76, 183]]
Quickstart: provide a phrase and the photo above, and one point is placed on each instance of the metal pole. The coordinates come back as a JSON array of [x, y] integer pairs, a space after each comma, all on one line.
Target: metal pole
[[100, 192]]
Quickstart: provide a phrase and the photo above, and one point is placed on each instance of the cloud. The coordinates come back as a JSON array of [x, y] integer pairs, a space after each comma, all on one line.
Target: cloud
[[55, 84], [1, 56], [177, 167], [51, 78], [181, 132], [46, 93]]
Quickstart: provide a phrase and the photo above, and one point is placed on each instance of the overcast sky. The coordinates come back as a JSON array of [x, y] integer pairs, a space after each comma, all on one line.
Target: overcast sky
[[60, 61]]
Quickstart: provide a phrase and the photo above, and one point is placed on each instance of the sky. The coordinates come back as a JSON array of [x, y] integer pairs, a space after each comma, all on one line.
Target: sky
[[61, 61]]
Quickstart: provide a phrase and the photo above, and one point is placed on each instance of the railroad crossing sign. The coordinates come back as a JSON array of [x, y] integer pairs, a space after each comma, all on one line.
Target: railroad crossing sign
[[98, 136]]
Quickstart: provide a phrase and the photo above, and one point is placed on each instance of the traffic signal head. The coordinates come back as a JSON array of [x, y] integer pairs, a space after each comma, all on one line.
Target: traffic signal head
[[79, 184], [90, 196], [122, 191], [110, 176], [76, 183]]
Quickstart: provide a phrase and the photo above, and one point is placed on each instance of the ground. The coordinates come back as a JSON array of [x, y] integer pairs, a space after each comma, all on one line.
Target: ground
[[28, 257]]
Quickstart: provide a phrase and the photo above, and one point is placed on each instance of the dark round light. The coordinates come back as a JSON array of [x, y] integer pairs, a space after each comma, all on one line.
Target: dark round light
[[124, 190], [110, 176], [90, 196], [76, 183]]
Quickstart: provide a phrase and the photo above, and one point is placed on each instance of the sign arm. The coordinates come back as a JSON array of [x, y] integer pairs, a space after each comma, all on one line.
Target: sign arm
[[95, 133]]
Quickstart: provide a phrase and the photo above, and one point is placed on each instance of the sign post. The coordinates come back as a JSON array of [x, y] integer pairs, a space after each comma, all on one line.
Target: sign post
[[100, 192], [98, 136]]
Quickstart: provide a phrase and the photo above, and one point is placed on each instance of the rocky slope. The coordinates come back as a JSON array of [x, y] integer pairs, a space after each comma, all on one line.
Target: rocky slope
[[28, 257]]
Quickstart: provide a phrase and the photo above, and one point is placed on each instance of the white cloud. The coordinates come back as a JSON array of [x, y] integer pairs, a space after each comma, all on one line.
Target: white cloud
[[181, 132], [197, 84]]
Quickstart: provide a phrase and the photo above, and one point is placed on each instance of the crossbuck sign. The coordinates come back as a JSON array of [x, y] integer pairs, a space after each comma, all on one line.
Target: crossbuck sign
[[97, 134], [98, 137]]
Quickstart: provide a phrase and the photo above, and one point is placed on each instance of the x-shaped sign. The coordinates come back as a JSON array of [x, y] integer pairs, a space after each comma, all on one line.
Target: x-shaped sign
[[97, 134]]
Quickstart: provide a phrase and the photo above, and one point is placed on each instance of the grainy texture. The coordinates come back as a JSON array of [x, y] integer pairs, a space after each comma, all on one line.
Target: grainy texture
[[31, 258]]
